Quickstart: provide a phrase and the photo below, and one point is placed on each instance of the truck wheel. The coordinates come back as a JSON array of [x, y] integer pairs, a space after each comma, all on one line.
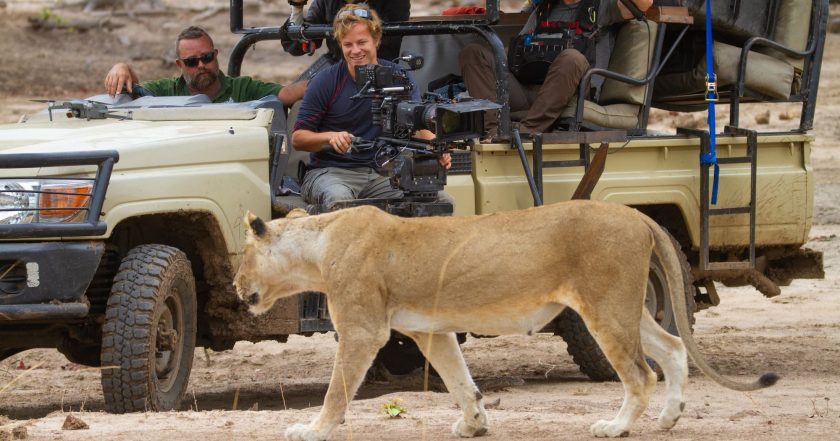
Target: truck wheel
[[149, 333], [583, 348], [400, 355]]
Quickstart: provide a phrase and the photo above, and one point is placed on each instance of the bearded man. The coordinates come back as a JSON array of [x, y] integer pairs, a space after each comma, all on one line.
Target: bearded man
[[198, 60]]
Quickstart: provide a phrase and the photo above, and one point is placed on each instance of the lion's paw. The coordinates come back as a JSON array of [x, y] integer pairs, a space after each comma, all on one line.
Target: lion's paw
[[609, 429], [670, 415], [302, 432], [476, 427]]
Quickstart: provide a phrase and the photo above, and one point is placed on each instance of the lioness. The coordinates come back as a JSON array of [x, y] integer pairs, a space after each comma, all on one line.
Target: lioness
[[502, 273]]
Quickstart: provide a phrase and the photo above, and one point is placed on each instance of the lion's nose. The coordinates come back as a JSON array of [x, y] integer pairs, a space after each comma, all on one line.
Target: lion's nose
[[253, 299]]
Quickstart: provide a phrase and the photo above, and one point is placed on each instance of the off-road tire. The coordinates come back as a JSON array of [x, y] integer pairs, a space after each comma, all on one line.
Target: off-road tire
[[585, 350], [400, 355], [149, 331]]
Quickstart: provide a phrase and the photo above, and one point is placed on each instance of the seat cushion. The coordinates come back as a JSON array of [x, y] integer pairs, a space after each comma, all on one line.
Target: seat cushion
[[631, 55], [793, 21], [765, 74], [613, 116]]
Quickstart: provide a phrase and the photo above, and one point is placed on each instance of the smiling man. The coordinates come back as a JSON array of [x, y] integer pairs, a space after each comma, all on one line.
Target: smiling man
[[198, 60], [329, 117]]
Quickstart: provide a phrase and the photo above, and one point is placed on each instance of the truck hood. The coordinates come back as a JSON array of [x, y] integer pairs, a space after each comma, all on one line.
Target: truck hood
[[144, 143]]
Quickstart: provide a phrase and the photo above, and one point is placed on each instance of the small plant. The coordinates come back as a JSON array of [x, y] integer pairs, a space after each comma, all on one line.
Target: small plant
[[394, 408]]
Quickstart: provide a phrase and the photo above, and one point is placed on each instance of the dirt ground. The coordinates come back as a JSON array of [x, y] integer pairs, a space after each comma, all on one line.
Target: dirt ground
[[255, 391]]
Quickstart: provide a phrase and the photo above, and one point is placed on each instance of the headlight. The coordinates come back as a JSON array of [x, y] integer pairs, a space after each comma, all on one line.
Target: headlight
[[24, 201]]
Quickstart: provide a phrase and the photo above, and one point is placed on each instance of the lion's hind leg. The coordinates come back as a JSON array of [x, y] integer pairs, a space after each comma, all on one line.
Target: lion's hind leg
[[669, 353], [445, 355], [618, 337]]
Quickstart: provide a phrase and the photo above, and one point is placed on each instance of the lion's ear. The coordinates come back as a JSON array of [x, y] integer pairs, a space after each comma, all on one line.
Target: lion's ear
[[255, 224], [297, 212]]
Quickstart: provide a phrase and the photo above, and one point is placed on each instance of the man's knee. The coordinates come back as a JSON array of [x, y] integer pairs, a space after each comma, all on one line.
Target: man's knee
[[571, 62], [334, 194]]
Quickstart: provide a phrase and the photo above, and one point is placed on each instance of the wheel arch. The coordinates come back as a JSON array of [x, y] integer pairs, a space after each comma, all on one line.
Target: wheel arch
[[673, 219], [198, 235]]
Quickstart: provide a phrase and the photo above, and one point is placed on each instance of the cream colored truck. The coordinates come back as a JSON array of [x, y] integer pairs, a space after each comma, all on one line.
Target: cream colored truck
[[120, 223]]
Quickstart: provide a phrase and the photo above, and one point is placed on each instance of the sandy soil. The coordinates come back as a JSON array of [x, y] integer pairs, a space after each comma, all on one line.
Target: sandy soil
[[255, 391]]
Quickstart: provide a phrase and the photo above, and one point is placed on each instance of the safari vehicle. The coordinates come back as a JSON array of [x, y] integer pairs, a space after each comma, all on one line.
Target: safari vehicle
[[120, 220]]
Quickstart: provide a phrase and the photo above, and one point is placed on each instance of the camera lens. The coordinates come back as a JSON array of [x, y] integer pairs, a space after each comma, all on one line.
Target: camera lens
[[450, 121]]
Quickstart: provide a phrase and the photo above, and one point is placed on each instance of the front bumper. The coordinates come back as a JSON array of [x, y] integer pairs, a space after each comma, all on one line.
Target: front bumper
[[46, 280]]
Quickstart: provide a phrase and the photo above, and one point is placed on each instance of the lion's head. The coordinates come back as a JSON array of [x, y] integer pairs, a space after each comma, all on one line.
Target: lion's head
[[268, 270]]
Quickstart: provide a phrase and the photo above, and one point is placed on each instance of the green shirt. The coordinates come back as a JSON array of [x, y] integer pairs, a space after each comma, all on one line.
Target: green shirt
[[236, 89]]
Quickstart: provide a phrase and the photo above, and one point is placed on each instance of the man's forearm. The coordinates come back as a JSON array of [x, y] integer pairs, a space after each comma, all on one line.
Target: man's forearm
[[308, 141], [292, 93]]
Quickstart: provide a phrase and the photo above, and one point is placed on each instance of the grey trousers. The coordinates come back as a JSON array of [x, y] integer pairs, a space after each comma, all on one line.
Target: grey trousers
[[544, 102], [326, 186]]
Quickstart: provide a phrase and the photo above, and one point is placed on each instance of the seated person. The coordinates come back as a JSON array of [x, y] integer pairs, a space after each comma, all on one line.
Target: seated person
[[198, 60], [544, 93], [328, 116], [324, 11]]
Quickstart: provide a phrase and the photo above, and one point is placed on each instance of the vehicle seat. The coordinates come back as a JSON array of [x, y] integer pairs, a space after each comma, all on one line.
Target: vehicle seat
[[770, 75], [620, 105]]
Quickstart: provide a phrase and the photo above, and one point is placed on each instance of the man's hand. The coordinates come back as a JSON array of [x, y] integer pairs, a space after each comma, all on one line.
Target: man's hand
[[445, 161], [340, 141], [118, 77]]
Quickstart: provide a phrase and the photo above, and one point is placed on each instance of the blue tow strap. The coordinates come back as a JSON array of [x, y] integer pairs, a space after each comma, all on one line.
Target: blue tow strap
[[711, 97]]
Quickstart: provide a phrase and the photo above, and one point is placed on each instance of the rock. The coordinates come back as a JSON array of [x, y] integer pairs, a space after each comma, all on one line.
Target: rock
[[74, 423], [19, 432]]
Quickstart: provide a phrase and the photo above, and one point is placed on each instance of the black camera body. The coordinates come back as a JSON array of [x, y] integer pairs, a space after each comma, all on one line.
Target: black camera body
[[412, 164]]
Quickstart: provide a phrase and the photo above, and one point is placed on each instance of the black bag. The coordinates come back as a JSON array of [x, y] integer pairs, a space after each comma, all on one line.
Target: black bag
[[529, 63], [530, 55]]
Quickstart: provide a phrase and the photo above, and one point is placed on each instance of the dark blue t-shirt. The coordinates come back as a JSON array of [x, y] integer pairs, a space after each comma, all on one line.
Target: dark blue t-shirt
[[327, 107]]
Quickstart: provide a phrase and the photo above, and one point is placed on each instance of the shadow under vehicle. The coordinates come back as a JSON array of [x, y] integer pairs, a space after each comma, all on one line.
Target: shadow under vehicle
[[120, 226]]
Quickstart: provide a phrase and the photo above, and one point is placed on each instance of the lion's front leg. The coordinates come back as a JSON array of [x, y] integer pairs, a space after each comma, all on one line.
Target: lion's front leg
[[356, 350], [445, 355]]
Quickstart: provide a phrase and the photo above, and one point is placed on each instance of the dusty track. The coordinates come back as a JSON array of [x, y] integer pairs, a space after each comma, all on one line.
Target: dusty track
[[542, 394]]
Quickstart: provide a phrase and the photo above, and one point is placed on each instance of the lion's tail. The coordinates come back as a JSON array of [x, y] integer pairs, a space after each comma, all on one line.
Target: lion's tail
[[667, 255]]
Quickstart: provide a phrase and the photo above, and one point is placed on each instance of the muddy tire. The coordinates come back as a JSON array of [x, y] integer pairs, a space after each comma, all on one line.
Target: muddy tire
[[582, 346], [400, 356], [149, 331]]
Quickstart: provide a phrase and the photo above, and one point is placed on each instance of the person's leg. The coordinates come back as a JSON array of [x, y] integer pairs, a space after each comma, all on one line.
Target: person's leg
[[478, 69], [559, 88], [379, 187], [326, 186]]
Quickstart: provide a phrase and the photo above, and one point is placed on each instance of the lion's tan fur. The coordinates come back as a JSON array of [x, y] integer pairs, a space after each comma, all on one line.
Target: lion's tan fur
[[493, 274]]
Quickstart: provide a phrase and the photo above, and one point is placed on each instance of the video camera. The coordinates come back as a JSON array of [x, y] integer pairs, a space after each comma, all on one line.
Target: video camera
[[412, 164]]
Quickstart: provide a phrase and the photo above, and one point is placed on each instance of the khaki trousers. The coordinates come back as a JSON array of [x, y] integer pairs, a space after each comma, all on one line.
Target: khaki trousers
[[544, 102]]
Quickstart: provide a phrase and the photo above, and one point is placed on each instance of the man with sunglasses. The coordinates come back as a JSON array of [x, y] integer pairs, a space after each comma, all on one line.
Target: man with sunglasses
[[200, 74], [329, 119]]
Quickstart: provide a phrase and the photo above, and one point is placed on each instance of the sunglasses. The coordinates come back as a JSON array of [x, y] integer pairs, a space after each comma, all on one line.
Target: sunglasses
[[204, 58], [363, 13]]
